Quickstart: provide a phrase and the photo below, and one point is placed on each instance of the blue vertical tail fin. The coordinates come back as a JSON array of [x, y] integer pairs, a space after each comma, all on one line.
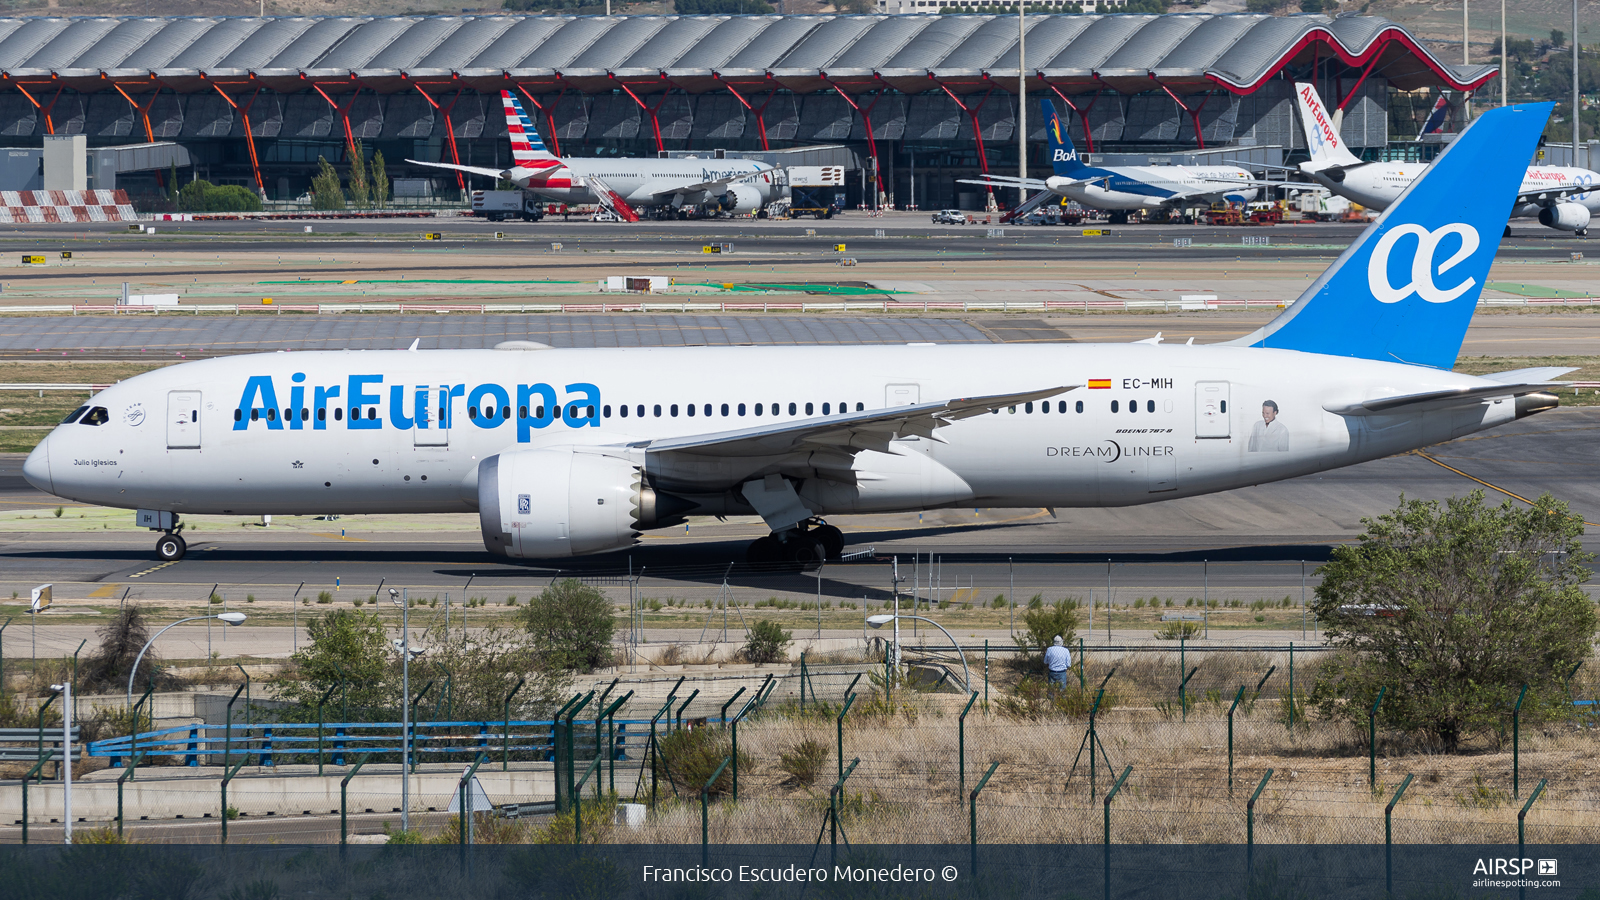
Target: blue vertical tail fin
[[1406, 289], [1063, 155]]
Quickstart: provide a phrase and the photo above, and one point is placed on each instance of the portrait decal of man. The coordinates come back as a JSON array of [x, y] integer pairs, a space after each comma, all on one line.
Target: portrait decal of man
[[1269, 435]]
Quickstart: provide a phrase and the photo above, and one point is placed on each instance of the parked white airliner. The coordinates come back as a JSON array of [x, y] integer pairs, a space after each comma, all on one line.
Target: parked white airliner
[[667, 186], [1560, 197], [576, 451]]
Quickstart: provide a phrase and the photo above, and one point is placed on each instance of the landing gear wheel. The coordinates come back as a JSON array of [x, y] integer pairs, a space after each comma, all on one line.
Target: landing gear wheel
[[832, 539], [1507, 232], [171, 548], [764, 551], [1582, 232], [804, 551]]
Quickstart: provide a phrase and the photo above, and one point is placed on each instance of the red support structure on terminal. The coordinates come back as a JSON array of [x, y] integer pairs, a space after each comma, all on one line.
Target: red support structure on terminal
[[549, 118], [249, 137], [866, 119], [449, 129], [761, 123], [144, 110], [49, 123], [1194, 114], [1359, 81], [1083, 114], [344, 116], [977, 130], [655, 124]]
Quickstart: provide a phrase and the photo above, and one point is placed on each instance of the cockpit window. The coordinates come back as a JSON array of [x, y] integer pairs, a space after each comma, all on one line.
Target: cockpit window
[[73, 416], [96, 416]]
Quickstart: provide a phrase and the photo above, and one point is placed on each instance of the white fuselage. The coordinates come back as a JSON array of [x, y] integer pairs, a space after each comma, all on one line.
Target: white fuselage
[[1175, 421], [1378, 184], [644, 182], [1153, 187]]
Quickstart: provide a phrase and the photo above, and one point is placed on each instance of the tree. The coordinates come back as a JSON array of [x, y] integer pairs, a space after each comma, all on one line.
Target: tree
[[359, 190], [380, 181], [1557, 37], [325, 190], [121, 639], [350, 649], [1452, 608], [766, 643], [1044, 624], [571, 625]]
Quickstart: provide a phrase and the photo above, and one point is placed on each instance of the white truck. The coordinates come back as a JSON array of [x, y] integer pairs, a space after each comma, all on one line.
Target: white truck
[[497, 206]]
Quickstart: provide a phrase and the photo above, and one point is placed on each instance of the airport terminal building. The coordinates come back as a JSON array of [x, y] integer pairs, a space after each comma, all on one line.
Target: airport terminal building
[[913, 101]]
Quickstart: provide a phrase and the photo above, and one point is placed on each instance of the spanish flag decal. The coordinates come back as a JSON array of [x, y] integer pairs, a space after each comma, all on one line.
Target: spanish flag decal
[[1099, 384]]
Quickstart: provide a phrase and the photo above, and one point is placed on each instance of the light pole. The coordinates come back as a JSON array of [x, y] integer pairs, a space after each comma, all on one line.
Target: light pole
[[228, 618], [65, 690], [879, 621], [405, 710]]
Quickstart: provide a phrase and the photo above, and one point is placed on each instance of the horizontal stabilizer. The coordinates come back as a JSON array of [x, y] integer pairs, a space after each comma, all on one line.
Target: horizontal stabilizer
[[475, 170], [1525, 376], [1414, 403]]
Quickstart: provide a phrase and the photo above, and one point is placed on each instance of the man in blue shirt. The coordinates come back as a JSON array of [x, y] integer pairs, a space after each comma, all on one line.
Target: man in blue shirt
[[1058, 659]]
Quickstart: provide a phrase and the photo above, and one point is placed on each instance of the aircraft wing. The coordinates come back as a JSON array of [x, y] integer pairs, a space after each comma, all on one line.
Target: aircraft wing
[[475, 170], [1410, 403], [1008, 181], [714, 184], [849, 433]]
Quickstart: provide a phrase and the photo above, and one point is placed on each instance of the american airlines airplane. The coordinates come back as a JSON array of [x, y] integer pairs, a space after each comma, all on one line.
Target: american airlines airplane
[[1558, 196], [1123, 189], [666, 186], [563, 452]]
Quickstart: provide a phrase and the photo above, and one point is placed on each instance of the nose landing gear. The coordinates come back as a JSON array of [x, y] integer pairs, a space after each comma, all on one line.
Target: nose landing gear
[[171, 547]]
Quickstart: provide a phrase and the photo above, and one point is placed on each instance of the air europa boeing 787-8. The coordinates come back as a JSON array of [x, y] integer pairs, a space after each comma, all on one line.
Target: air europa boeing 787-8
[[576, 451]]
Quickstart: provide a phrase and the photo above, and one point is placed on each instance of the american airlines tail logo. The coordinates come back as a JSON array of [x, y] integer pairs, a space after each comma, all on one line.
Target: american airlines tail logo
[[1422, 268]]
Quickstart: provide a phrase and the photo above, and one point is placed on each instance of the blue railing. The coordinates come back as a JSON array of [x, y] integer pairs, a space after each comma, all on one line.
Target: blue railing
[[335, 742]]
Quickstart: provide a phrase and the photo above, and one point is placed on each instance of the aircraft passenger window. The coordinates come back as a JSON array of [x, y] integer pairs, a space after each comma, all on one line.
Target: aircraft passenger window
[[1028, 407], [741, 409], [808, 409], [691, 409], [305, 414], [1224, 406], [505, 413], [624, 410], [322, 414], [1080, 405], [640, 411], [472, 413], [96, 416], [537, 414], [708, 410], [338, 414], [658, 410], [288, 415], [792, 409], [1133, 406], [724, 409], [255, 415], [372, 412], [859, 407], [73, 416], [824, 409], [674, 410], [1012, 410], [522, 412], [1114, 406], [607, 411], [590, 412], [758, 409], [238, 415], [272, 414], [1062, 407], [1149, 406]]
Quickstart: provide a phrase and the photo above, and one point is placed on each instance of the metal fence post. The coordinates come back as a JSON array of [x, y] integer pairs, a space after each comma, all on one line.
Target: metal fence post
[[132, 768], [1183, 696], [839, 726], [1236, 698], [1516, 744], [749, 705], [833, 811], [505, 740], [1372, 741], [324, 699], [600, 750], [1291, 684], [465, 804], [961, 741], [344, 800], [1522, 821], [227, 777], [1388, 837], [36, 767], [723, 716], [46, 705], [1112, 795], [577, 803], [705, 813], [1250, 823], [972, 799]]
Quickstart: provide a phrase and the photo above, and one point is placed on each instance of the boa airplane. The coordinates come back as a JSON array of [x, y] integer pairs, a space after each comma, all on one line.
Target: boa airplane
[[575, 451]]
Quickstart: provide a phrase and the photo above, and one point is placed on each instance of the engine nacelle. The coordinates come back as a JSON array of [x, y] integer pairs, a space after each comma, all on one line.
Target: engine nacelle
[[546, 503], [1565, 217], [742, 198]]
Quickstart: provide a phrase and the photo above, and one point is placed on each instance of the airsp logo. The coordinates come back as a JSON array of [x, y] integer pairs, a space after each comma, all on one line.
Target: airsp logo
[[1422, 270]]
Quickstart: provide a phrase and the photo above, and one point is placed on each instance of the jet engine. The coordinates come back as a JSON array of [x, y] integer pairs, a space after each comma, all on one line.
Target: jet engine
[[1565, 217], [546, 503], [741, 198]]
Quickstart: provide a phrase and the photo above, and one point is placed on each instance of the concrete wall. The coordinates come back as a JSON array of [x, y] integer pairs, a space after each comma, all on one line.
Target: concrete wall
[[66, 162]]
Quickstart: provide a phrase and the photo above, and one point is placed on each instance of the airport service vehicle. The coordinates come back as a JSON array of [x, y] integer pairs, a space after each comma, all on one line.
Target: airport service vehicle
[[814, 190], [1560, 197], [949, 217], [497, 206], [576, 451], [1123, 189], [664, 187]]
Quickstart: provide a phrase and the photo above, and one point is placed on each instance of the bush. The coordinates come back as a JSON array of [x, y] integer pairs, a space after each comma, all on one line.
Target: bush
[[1044, 624], [690, 756], [571, 625], [324, 597], [203, 196], [326, 193], [804, 762], [1453, 608], [766, 643], [1172, 631]]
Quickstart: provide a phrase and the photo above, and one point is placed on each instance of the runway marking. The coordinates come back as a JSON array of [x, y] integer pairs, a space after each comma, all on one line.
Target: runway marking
[[338, 537], [153, 569], [1484, 483], [107, 591]]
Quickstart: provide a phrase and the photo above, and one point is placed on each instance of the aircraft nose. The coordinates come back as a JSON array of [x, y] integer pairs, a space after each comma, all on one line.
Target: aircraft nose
[[37, 467]]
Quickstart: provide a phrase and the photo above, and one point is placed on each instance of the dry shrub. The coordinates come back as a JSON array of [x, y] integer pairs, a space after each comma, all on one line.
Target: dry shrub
[[803, 763]]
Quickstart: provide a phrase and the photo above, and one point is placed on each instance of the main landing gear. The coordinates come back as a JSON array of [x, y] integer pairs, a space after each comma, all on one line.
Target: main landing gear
[[809, 544]]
